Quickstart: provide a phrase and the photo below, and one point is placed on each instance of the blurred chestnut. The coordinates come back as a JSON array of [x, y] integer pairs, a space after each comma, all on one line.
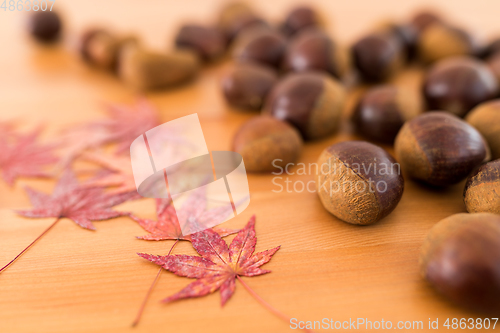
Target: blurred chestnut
[[458, 84], [207, 42], [486, 119], [439, 149], [382, 111], [299, 19], [460, 258], [493, 63], [236, 17], [482, 190], [378, 56], [247, 85], [45, 26], [260, 45], [405, 33], [440, 41], [491, 49], [312, 49], [311, 101], [148, 70], [423, 19], [101, 48], [267, 143]]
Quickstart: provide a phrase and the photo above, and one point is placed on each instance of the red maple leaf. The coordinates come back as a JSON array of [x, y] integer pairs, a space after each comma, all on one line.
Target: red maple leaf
[[124, 125], [219, 265], [75, 202], [23, 156], [167, 227], [69, 199]]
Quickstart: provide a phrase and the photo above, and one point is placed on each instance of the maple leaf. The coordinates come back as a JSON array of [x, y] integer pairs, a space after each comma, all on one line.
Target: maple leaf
[[219, 265], [23, 156], [75, 202], [194, 209], [121, 176], [124, 125], [167, 227]]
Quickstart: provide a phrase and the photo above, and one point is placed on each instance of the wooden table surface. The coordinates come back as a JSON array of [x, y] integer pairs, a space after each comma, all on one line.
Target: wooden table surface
[[75, 280]]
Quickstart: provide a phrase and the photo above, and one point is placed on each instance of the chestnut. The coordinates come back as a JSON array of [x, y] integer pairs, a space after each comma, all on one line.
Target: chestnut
[[148, 70], [260, 45], [423, 19], [378, 56], [491, 49], [207, 42], [267, 143], [439, 148], [102, 49], [493, 63], [247, 85], [358, 182], [460, 258], [486, 119], [382, 110], [235, 17], [311, 101], [440, 41], [405, 33], [313, 49], [482, 190], [458, 84], [45, 26], [300, 18]]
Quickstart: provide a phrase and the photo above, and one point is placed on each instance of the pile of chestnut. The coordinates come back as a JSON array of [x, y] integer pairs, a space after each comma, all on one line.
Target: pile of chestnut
[[298, 77]]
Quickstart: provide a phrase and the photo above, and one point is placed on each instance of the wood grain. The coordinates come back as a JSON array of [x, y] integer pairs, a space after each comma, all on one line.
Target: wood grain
[[75, 280]]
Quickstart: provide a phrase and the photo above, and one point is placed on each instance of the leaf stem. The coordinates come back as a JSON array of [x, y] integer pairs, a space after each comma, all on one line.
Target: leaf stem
[[267, 305], [143, 305], [29, 246]]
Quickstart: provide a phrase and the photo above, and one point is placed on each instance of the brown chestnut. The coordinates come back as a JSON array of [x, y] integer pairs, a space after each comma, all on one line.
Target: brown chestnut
[[423, 19], [101, 48], [236, 17], [491, 49], [207, 42], [358, 182], [148, 70], [260, 45], [482, 190], [493, 63], [378, 56], [312, 49], [460, 258], [382, 111], [440, 41], [300, 18], [311, 101], [405, 33], [486, 119], [458, 84], [45, 26], [439, 149], [267, 143], [247, 85]]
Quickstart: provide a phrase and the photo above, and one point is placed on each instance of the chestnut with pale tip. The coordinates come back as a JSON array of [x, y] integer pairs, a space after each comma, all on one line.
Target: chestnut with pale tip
[[207, 42], [300, 18], [267, 143], [460, 259], [486, 119], [358, 182], [312, 49], [440, 41], [378, 56], [482, 190], [458, 84], [382, 111], [311, 101], [247, 85], [439, 149], [148, 70], [260, 45]]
